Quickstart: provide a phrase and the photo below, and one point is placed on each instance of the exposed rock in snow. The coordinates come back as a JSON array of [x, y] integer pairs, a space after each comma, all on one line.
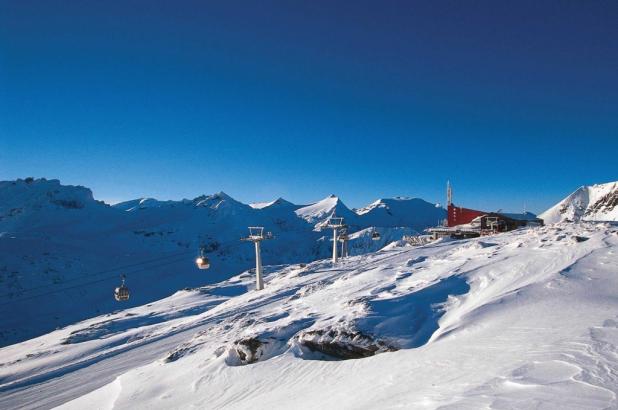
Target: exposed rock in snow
[[588, 203], [342, 343]]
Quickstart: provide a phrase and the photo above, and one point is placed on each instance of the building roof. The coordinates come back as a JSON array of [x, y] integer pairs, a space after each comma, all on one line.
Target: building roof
[[527, 216]]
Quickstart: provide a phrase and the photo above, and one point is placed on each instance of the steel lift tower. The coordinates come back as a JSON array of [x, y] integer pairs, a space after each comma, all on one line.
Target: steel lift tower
[[256, 235], [343, 238], [335, 223]]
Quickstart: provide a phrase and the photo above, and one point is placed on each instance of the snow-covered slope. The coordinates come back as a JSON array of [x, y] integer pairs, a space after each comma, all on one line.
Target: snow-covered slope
[[60, 247], [527, 319], [588, 203]]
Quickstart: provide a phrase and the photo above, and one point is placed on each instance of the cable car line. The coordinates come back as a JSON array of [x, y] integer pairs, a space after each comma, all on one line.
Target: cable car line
[[84, 284], [115, 269]]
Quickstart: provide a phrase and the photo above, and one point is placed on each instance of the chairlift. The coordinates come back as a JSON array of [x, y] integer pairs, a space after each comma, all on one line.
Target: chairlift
[[202, 261], [121, 293]]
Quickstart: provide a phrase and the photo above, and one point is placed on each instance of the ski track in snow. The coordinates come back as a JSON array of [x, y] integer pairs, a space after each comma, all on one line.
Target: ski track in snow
[[527, 319]]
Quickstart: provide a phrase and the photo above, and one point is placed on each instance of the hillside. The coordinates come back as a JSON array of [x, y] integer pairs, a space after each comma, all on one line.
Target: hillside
[[526, 319], [588, 203], [60, 247]]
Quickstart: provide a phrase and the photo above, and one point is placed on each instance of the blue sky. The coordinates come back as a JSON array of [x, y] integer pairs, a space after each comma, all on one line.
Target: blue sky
[[514, 102]]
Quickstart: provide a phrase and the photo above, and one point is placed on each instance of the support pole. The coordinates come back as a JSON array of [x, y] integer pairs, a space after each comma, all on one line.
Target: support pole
[[259, 283], [334, 245]]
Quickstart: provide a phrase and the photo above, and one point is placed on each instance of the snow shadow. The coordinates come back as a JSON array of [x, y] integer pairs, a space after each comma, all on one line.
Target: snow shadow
[[410, 320], [111, 327]]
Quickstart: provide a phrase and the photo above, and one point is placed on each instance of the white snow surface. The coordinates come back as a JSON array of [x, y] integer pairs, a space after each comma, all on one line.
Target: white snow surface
[[279, 202], [318, 213], [60, 247], [527, 319], [588, 203]]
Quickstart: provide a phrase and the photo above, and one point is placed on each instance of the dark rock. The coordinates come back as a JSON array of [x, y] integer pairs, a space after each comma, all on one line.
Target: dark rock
[[343, 344], [248, 350]]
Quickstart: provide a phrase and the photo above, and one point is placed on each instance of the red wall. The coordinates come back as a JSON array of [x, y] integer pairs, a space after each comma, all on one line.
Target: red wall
[[458, 215]]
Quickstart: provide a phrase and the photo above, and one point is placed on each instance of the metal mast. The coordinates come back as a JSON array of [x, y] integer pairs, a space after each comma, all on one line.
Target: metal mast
[[256, 235], [343, 238], [449, 193], [335, 223]]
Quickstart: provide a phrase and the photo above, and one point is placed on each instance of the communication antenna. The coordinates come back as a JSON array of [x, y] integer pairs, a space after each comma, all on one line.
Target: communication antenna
[[335, 223], [449, 193], [256, 235]]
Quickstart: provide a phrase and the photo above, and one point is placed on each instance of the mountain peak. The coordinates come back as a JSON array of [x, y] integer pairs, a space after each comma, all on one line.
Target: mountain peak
[[597, 202], [320, 211]]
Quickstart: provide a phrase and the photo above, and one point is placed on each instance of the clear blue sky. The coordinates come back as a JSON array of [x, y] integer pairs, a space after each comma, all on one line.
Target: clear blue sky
[[512, 101]]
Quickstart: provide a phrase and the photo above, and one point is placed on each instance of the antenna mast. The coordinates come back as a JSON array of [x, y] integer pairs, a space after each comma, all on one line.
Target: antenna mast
[[449, 194]]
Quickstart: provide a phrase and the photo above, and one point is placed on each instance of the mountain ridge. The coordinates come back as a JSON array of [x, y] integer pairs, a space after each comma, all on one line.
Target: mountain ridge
[[598, 202], [54, 236]]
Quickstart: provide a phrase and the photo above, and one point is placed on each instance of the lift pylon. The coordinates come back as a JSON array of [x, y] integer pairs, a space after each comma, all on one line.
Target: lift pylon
[[257, 235], [335, 223], [343, 238]]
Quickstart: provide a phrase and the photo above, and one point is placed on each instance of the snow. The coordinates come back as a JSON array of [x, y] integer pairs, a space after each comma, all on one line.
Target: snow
[[527, 319], [588, 203], [318, 213], [60, 247], [279, 202], [415, 213]]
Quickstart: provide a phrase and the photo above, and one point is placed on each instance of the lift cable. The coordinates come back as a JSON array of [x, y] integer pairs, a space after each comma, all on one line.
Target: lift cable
[[82, 284], [118, 268]]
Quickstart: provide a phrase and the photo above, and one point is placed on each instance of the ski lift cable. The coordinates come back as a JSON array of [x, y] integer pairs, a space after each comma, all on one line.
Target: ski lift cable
[[148, 261], [119, 268], [88, 283], [81, 284]]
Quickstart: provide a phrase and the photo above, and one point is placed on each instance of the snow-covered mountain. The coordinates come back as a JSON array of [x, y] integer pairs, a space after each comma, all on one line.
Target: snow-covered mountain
[[526, 319], [588, 203], [317, 214], [412, 212], [59, 246], [277, 203]]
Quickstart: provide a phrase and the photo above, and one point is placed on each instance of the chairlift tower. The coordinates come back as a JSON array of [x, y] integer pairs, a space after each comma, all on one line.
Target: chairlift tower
[[343, 238], [335, 223], [256, 235]]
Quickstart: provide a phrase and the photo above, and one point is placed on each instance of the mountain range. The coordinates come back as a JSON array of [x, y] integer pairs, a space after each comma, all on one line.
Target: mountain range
[[60, 245]]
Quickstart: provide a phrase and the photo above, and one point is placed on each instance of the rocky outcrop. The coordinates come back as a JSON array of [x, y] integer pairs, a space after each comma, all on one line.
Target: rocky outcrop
[[343, 344]]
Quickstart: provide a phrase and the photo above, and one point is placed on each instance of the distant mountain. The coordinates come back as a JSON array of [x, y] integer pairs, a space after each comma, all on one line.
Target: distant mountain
[[588, 203], [317, 214], [410, 212], [59, 246], [277, 203]]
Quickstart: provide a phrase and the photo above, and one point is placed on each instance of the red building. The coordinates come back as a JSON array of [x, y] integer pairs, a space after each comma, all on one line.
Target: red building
[[459, 216]]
